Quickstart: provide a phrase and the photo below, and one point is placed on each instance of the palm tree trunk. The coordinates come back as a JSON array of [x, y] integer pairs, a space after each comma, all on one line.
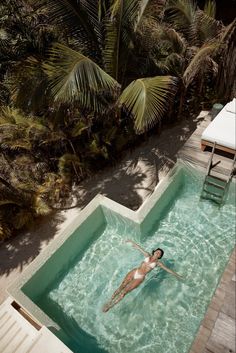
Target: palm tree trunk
[[118, 42], [73, 164]]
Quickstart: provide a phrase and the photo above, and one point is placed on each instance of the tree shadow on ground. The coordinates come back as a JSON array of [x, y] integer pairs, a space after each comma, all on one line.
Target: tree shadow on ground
[[137, 175], [23, 248], [129, 182]]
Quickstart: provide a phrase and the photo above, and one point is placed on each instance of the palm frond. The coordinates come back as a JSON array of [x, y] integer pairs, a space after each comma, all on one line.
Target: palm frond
[[150, 31], [147, 100], [210, 8], [114, 25], [93, 9], [52, 138], [3, 35], [95, 149], [206, 27], [116, 8], [41, 207], [226, 83], [67, 163], [18, 132], [13, 116], [121, 24], [177, 41], [200, 62], [4, 93], [4, 43], [9, 115], [20, 144], [228, 32], [73, 15], [174, 64], [26, 186], [133, 12], [110, 52], [79, 128], [48, 185], [181, 13], [73, 76]]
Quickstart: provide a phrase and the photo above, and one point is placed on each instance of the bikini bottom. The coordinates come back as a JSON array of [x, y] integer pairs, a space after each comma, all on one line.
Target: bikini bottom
[[138, 275]]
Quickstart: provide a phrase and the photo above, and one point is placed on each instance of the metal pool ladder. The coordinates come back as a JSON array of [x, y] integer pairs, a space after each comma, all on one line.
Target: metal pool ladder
[[214, 188]]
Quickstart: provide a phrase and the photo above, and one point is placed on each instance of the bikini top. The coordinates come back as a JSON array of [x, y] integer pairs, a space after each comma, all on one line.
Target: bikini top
[[150, 264]]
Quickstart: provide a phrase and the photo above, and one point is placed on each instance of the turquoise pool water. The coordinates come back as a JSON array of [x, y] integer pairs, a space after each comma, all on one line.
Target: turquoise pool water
[[163, 314]]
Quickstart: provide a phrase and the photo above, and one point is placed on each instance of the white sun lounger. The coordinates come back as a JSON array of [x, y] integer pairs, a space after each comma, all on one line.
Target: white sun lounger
[[222, 130], [18, 335]]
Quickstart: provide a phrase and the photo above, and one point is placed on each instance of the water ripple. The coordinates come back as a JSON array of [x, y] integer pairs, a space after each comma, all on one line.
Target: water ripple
[[163, 314]]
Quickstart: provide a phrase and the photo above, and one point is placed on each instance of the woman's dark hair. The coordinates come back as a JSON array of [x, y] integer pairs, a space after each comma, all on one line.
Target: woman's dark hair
[[162, 252]]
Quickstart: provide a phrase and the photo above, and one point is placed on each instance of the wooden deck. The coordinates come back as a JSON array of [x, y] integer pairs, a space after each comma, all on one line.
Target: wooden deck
[[217, 331], [192, 153]]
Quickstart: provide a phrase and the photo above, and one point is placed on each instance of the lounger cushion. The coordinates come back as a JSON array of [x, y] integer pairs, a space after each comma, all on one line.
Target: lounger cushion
[[222, 129], [231, 106]]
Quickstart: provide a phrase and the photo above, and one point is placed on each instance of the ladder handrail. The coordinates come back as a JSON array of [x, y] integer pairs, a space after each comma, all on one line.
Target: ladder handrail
[[210, 160], [232, 169]]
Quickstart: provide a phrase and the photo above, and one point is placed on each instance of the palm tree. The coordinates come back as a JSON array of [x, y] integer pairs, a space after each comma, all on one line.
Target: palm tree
[[92, 71], [199, 34], [24, 31], [226, 83]]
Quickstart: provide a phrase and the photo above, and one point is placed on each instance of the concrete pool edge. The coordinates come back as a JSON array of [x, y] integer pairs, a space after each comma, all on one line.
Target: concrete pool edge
[[15, 289], [99, 201]]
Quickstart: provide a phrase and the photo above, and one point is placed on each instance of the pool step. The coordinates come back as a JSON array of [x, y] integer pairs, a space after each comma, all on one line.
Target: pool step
[[213, 183], [212, 196], [213, 193], [214, 189], [18, 335]]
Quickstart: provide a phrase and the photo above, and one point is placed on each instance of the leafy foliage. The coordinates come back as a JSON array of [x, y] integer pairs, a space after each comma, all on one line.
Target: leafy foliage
[[74, 76], [79, 80], [147, 99], [201, 62]]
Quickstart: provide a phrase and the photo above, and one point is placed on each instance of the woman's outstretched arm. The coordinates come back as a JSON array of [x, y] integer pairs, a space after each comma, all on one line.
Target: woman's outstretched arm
[[168, 270], [138, 247]]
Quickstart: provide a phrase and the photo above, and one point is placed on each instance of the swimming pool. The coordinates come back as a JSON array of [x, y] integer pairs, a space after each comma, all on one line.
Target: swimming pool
[[71, 283]]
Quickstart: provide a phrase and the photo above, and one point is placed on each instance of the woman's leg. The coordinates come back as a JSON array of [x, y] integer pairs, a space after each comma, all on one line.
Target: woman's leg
[[129, 287], [128, 278]]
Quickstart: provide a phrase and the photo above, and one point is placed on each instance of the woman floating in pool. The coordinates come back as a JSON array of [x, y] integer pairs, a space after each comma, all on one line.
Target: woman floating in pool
[[136, 276]]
